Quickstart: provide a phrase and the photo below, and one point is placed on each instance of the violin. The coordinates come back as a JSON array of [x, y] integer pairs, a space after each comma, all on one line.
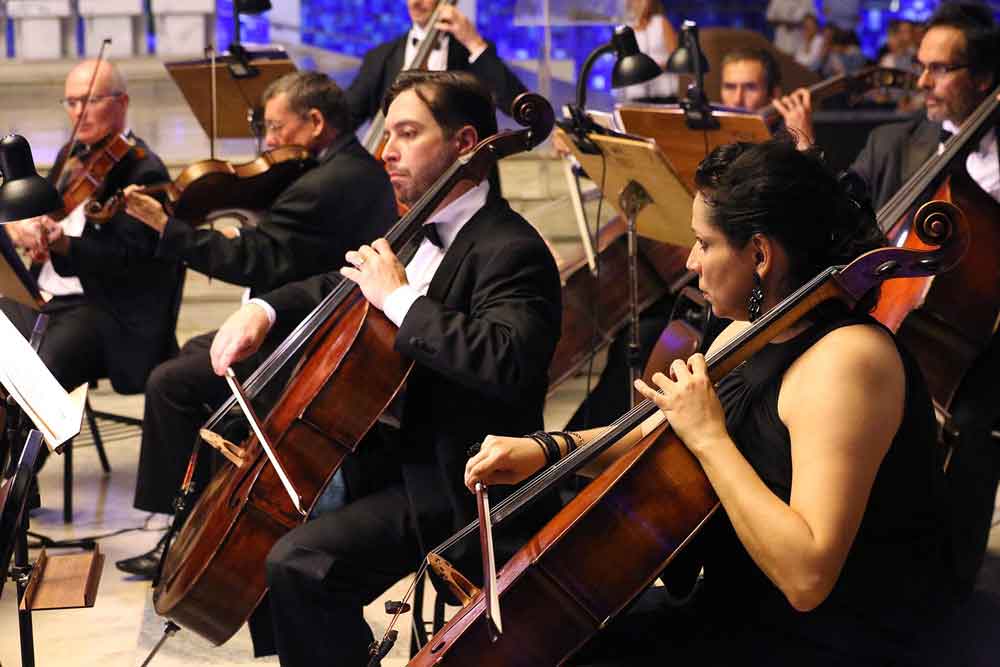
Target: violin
[[86, 178], [558, 591], [213, 185]]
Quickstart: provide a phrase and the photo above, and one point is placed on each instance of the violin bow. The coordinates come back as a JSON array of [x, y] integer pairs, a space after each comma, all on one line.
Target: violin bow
[[493, 623], [86, 102]]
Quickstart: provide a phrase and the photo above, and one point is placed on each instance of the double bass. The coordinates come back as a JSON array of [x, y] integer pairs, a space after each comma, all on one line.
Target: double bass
[[213, 574], [947, 322], [558, 591]]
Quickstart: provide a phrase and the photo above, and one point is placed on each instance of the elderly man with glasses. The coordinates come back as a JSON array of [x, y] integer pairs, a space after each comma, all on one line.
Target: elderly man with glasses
[[346, 200], [110, 309]]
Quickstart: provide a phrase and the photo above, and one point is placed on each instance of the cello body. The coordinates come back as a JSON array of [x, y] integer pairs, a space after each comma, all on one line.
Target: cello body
[[948, 321], [213, 576]]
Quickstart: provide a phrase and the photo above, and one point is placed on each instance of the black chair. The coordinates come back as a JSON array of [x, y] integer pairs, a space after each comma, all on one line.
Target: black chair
[[116, 427]]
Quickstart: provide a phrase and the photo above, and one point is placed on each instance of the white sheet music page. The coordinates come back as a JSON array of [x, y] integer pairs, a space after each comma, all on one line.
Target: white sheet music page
[[54, 412]]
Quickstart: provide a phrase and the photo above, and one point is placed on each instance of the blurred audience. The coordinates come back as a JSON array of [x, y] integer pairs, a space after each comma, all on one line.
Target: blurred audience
[[786, 16], [845, 56], [657, 39], [814, 46]]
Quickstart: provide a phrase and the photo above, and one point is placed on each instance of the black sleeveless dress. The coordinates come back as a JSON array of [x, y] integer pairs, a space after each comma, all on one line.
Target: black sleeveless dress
[[893, 584]]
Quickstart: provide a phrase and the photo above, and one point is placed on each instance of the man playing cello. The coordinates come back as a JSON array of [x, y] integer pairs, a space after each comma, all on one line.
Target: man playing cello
[[478, 310]]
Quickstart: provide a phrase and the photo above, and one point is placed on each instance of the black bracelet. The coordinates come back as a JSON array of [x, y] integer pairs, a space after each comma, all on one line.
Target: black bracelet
[[568, 438], [549, 444]]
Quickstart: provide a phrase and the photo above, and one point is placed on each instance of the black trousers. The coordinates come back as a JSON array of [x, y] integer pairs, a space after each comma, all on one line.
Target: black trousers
[[71, 347], [180, 394], [321, 574]]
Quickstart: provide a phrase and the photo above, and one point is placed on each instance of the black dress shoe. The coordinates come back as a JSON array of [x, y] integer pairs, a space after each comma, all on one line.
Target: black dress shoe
[[144, 565]]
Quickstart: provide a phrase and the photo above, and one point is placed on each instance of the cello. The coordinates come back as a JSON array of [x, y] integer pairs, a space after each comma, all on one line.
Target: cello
[[213, 575], [947, 322], [557, 591]]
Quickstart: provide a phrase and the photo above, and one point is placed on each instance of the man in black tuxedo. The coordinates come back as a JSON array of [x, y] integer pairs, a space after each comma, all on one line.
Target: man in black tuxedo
[[958, 58], [461, 47], [478, 310], [112, 307], [342, 202]]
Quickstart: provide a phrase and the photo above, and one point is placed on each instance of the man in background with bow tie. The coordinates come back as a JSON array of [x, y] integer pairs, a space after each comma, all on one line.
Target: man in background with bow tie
[[478, 311], [460, 47], [958, 59]]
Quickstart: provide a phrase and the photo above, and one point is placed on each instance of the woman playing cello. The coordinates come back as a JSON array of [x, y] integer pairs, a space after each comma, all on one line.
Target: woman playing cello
[[820, 448]]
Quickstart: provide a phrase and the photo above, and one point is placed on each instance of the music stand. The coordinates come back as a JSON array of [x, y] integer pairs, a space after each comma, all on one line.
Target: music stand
[[16, 282], [686, 148], [238, 82], [642, 185]]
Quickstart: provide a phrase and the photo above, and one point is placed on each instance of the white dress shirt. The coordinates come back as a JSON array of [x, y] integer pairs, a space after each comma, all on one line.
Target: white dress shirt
[[49, 280], [420, 271], [438, 60], [983, 164], [427, 259]]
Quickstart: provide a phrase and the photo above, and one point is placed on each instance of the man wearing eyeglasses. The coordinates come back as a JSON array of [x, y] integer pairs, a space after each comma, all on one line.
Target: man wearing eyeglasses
[[110, 310], [343, 202], [958, 59]]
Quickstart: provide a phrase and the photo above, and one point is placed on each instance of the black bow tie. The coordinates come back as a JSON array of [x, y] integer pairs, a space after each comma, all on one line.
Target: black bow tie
[[944, 136], [430, 232]]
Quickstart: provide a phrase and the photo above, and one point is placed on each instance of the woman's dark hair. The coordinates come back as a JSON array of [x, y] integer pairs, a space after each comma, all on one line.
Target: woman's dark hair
[[791, 196], [454, 98]]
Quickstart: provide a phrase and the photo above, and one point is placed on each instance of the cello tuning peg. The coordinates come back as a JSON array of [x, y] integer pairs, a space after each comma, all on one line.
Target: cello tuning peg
[[396, 607]]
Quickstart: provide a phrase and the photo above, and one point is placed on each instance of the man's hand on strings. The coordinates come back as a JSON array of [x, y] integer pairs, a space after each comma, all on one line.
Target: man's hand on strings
[[453, 21], [689, 402], [55, 236], [796, 109], [376, 270], [240, 335], [144, 208], [503, 460], [30, 235]]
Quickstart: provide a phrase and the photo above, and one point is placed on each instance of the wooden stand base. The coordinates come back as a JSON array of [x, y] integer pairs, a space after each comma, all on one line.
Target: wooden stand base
[[66, 581]]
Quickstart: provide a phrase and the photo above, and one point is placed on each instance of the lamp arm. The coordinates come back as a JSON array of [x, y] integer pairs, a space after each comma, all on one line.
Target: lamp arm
[[588, 64]]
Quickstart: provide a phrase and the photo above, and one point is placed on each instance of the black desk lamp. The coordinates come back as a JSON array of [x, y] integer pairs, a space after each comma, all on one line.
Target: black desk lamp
[[631, 67], [689, 59], [241, 67], [24, 194]]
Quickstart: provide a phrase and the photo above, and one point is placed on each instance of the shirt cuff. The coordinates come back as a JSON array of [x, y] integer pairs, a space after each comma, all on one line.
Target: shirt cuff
[[267, 308], [473, 55], [398, 303]]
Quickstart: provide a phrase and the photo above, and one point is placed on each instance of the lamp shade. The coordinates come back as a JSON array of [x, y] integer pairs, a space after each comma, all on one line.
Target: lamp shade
[[632, 66], [681, 61], [24, 194]]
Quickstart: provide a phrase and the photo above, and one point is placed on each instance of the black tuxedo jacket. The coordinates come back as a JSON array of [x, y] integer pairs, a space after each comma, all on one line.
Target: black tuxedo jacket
[[338, 205], [481, 339], [120, 274], [893, 153], [381, 65]]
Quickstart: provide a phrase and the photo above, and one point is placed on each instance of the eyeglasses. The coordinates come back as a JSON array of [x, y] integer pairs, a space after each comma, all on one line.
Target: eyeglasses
[[273, 126], [70, 103], [938, 69]]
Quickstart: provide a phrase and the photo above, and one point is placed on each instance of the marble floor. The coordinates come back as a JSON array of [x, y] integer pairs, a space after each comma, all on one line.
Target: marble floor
[[121, 628]]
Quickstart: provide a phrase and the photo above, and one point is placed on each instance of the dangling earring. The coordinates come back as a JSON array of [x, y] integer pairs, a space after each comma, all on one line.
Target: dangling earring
[[756, 298]]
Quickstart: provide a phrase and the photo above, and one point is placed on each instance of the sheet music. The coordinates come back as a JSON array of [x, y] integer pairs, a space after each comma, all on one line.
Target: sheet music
[[57, 414]]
